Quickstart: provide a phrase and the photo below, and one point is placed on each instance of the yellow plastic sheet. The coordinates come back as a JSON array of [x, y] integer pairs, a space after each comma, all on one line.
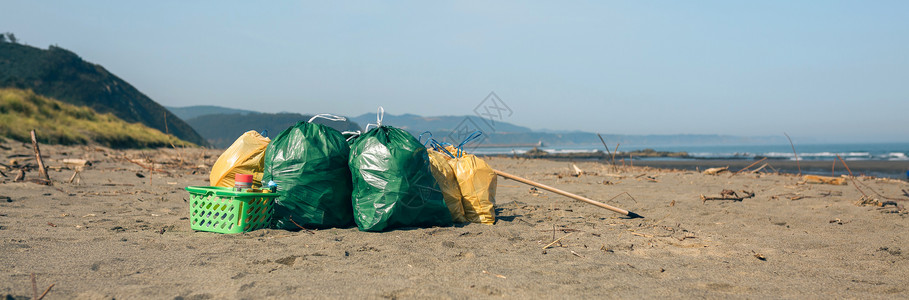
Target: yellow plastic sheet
[[245, 156], [477, 181], [448, 183]]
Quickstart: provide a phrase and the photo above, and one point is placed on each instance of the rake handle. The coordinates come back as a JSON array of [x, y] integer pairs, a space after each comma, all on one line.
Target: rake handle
[[567, 194]]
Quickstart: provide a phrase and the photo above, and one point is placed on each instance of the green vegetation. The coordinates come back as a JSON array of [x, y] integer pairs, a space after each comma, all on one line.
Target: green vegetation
[[62, 123], [61, 74]]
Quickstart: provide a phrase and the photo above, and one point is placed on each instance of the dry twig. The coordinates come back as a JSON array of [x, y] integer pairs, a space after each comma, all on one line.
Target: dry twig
[[729, 195], [795, 153], [749, 166], [556, 241], [45, 292]]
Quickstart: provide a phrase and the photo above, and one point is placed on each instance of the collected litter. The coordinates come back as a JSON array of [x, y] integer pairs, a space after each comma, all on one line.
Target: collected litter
[[393, 185], [317, 177], [448, 183], [309, 164], [224, 210], [477, 181], [244, 156]]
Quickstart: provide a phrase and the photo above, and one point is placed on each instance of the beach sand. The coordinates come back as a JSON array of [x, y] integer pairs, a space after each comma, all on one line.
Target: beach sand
[[113, 234]]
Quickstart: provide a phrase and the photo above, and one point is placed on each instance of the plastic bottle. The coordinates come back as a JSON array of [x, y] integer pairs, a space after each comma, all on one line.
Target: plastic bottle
[[272, 186]]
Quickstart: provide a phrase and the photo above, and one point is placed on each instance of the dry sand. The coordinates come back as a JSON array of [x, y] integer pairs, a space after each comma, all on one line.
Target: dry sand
[[115, 235]]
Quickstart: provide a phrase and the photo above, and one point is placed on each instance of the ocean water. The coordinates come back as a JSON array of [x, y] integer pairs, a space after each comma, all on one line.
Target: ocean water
[[874, 151]]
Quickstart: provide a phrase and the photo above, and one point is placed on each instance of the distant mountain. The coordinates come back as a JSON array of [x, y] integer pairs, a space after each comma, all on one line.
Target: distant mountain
[[60, 74], [190, 112], [444, 128], [221, 130], [417, 124]]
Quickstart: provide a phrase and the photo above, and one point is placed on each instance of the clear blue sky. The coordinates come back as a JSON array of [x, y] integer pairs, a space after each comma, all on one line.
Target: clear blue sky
[[830, 70]]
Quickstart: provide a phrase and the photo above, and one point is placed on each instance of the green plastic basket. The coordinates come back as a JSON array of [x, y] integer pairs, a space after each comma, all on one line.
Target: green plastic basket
[[222, 210]]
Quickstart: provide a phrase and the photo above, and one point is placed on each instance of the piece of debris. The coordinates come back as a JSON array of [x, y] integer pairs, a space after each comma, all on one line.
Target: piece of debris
[[74, 163], [140, 175], [730, 195], [816, 179], [868, 201], [534, 191], [715, 171], [577, 171], [497, 275]]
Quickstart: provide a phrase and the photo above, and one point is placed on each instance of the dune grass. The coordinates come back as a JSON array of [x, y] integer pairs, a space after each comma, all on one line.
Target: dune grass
[[61, 123]]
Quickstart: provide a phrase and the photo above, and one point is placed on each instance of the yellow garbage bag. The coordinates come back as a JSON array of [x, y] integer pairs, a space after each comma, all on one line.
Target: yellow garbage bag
[[477, 181], [245, 156], [448, 183]]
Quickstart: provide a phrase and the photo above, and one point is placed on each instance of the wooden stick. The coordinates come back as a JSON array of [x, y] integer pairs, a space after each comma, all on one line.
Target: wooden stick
[[845, 165], [567, 194], [604, 144], [749, 166], [73, 177], [761, 168], [34, 284], [42, 169], [854, 183], [45, 291], [556, 241], [793, 152], [614, 167], [833, 169]]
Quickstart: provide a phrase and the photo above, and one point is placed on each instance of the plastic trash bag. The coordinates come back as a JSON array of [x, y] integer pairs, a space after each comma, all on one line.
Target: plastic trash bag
[[477, 181], [244, 156], [445, 176], [309, 163], [448, 184], [393, 185]]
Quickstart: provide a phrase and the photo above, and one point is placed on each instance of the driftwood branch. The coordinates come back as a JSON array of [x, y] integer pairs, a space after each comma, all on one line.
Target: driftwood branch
[[748, 167], [715, 171], [759, 168], [42, 169], [729, 195], [604, 144]]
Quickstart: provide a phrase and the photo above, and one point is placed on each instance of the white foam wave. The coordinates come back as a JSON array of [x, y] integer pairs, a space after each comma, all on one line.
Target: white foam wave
[[897, 156]]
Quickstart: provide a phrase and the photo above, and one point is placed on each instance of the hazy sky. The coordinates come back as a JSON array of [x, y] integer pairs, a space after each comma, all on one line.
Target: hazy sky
[[831, 70]]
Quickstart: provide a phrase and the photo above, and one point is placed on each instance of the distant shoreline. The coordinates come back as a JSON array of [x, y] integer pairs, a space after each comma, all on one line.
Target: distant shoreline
[[876, 168]]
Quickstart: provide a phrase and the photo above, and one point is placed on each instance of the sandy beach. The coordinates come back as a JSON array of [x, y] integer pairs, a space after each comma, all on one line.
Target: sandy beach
[[121, 231]]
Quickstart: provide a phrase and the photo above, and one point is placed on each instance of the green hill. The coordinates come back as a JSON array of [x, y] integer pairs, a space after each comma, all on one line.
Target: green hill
[[62, 123], [221, 130], [60, 74]]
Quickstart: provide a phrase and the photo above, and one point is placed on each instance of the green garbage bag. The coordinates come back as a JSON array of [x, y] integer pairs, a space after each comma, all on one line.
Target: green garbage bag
[[392, 183], [309, 163]]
